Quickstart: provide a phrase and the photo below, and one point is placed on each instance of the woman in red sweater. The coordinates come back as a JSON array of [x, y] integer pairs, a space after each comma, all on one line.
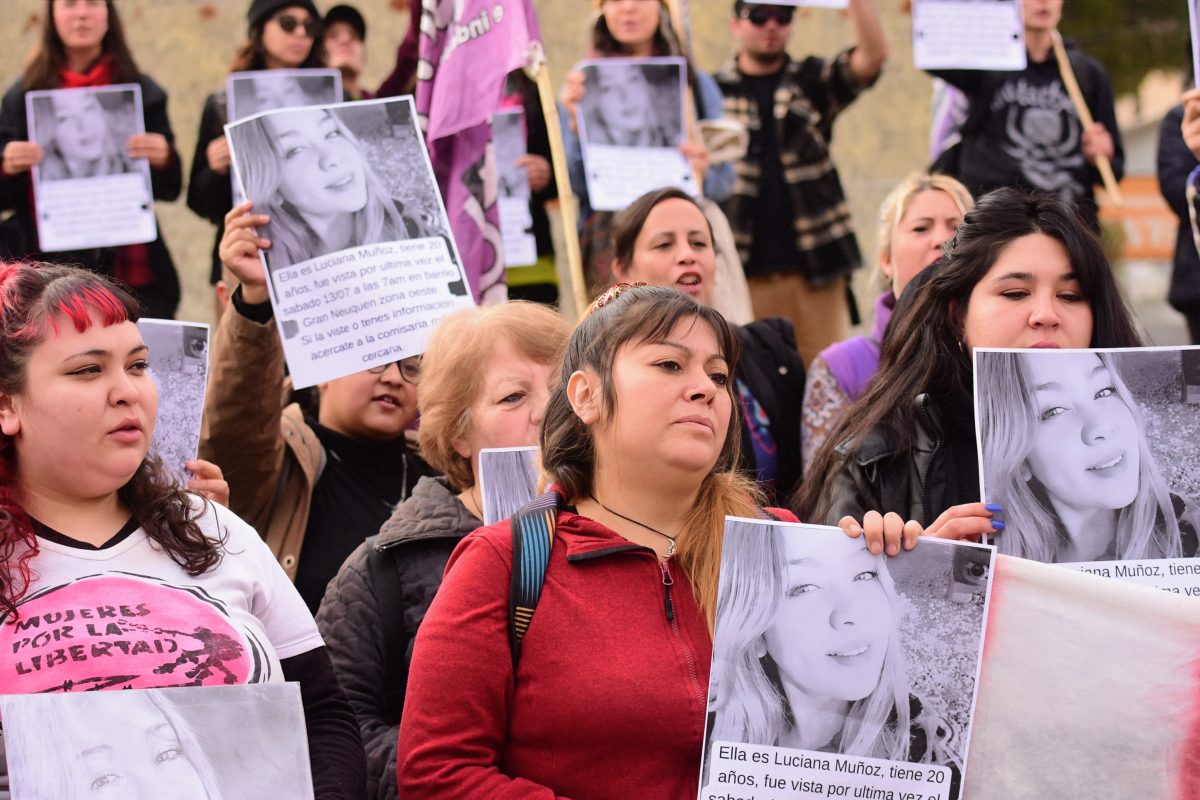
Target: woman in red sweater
[[608, 696]]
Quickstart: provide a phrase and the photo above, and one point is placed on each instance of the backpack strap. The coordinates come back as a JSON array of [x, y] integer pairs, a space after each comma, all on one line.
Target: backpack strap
[[533, 534], [385, 582]]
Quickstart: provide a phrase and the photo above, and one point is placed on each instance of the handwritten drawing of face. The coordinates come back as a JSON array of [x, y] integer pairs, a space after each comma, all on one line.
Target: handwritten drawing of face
[[625, 105], [834, 622], [80, 129], [134, 755], [322, 172], [1086, 442]]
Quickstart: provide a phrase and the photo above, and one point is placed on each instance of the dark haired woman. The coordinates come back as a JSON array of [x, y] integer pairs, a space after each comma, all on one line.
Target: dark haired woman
[[664, 239], [282, 35], [83, 45], [180, 591], [609, 695], [1022, 271]]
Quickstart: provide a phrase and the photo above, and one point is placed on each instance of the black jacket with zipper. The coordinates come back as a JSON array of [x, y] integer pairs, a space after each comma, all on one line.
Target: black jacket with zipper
[[371, 653]]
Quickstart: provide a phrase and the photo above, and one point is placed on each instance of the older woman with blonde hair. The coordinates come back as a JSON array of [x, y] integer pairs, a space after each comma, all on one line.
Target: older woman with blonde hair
[[485, 380], [919, 216]]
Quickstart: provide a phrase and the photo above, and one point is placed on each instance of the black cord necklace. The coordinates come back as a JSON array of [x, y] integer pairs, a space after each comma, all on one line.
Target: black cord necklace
[[668, 537]]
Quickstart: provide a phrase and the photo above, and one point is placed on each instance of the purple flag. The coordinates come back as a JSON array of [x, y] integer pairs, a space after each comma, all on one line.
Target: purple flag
[[467, 49]]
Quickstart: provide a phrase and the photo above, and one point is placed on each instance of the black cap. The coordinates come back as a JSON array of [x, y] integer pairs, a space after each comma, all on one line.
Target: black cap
[[349, 15], [260, 10]]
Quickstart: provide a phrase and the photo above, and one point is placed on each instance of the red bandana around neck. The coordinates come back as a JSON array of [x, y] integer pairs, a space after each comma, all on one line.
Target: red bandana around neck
[[99, 75]]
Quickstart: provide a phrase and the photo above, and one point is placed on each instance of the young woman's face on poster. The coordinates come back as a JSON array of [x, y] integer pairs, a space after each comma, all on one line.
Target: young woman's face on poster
[[625, 104], [833, 625], [278, 91], [322, 173], [136, 755], [80, 128], [1086, 443]]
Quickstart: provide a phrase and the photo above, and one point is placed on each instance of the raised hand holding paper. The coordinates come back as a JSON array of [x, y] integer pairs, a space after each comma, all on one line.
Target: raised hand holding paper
[[179, 366], [631, 127], [1093, 455], [968, 34], [88, 191], [838, 673], [361, 265]]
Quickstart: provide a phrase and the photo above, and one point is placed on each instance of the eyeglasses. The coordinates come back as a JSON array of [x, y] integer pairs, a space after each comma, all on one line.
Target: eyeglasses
[[760, 15], [410, 369], [289, 24]]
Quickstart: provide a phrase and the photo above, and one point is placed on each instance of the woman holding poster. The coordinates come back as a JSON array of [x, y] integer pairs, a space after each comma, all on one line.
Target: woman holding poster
[[1022, 271], [811, 658], [94, 535], [1065, 453], [83, 45], [281, 35]]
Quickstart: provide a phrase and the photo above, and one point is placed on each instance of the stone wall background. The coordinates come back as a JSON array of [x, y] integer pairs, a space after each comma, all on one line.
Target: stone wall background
[[187, 45]]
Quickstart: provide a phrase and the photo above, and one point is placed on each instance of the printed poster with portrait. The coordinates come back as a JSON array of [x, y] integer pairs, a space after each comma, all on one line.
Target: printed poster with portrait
[[508, 480], [179, 367], [88, 191], [968, 34], [227, 742], [631, 126], [1095, 457], [516, 219], [362, 265], [249, 93], [838, 673]]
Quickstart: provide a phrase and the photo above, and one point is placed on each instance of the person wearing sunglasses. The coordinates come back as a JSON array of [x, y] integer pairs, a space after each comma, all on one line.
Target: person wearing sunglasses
[[282, 34], [789, 212], [315, 483]]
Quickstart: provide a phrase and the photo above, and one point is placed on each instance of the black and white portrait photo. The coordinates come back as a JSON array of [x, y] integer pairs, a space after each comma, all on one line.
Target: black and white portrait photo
[[84, 132], [633, 102], [508, 479], [337, 177], [822, 647], [87, 190], [1092, 453], [179, 366], [250, 93], [188, 743], [508, 134]]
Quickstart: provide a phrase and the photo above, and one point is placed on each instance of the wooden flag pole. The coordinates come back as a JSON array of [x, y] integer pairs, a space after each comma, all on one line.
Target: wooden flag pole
[[1085, 115], [562, 178], [679, 23]]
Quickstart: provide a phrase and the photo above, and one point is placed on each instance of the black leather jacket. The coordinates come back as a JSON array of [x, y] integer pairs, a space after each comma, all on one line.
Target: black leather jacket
[[879, 475]]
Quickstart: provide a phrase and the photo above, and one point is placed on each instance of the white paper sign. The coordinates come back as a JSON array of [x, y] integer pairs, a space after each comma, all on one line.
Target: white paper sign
[[1095, 459], [362, 265], [231, 742], [968, 34], [631, 127], [508, 479], [838, 673], [87, 190], [516, 220], [179, 366]]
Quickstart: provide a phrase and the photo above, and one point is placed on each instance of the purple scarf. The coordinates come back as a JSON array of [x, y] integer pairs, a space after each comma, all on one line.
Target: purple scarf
[[853, 362]]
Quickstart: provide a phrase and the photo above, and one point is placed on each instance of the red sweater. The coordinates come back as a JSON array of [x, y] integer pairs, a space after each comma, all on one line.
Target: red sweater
[[610, 695]]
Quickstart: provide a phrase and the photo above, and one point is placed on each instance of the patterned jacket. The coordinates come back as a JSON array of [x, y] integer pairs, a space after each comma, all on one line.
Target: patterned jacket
[[811, 94]]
